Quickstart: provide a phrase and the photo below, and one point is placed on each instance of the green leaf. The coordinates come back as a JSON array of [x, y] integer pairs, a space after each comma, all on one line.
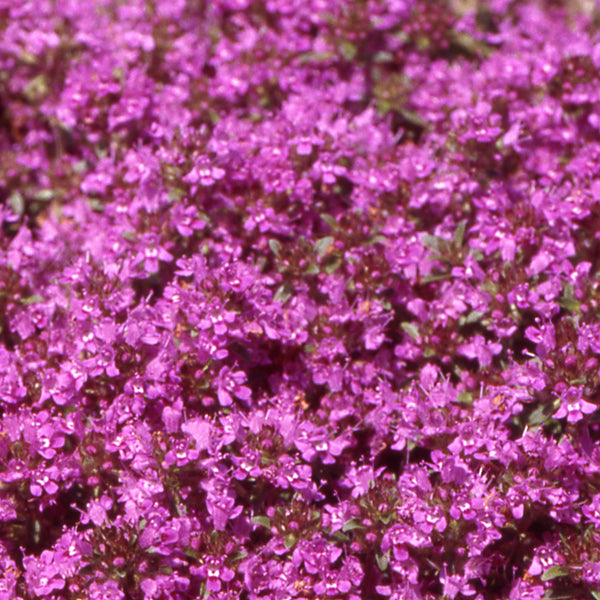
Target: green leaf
[[467, 44], [411, 330], [377, 239], [95, 205], [289, 541], [568, 300], [340, 537], [383, 106], [472, 317], [459, 234], [432, 242], [204, 593], [477, 254], [542, 414], [322, 245], [414, 119], [560, 594], [385, 519], [383, 57], [80, 166], [382, 562], [334, 265], [28, 58], [17, 203], [330, 221], [261, 520], [284, 293], [31, 300], [436, 277], [43, 195], [595, 594], [37, 88], [554, 572], [465, 398], [348, 50], [175, 194], [315, 56], [312, 269], [275, 246], [352, 524]]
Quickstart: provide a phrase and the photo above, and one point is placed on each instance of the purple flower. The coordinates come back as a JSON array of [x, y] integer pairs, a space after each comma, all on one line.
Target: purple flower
[[480, 349], [316, 555], [428, 518], [141, 164], [42, 574], [592, 511], [9, 578], [203, 173], [399, 536], [229, 384], [46, 439], [214, 572], [171, 416], [456, 584], [185, 220], [200, 430], [107, 590], [248, 465], [96, 511], [544, 337], [542, 561], [465, 507], [515, 502], [45, 481], [333, 583], [161, 586], [361, 479], [151, 253], [573, 406], [526, 591], [315, 441]]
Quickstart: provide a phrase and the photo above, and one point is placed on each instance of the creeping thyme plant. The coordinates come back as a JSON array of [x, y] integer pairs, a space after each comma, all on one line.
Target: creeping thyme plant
[[299, 299]]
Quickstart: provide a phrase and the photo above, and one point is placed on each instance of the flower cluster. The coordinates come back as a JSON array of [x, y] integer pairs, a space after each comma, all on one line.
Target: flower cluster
[[299, 300]]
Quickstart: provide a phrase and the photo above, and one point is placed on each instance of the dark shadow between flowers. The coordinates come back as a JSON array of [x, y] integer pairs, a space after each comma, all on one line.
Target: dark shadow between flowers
[[33, 532]]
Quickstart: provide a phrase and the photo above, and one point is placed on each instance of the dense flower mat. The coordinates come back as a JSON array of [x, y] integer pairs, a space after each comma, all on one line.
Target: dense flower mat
[[299, 299]]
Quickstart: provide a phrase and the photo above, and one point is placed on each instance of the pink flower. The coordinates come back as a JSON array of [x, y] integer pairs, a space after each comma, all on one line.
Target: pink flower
[[42, 574], [481, 349], [204, 173], [214, 572], [229, 384], [573, 406]]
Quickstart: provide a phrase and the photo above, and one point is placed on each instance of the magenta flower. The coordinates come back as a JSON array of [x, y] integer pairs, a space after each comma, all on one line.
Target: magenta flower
[[214, 572], [456, 584], [230, 384], [480, 349], [45, 481], [42, 574], [573, 406], [333, 583], [150, 253], [316, 555], [203, 173], [592, 511]]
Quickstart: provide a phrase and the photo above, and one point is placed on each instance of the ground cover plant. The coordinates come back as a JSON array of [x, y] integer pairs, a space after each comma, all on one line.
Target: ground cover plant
[[299, 300]]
